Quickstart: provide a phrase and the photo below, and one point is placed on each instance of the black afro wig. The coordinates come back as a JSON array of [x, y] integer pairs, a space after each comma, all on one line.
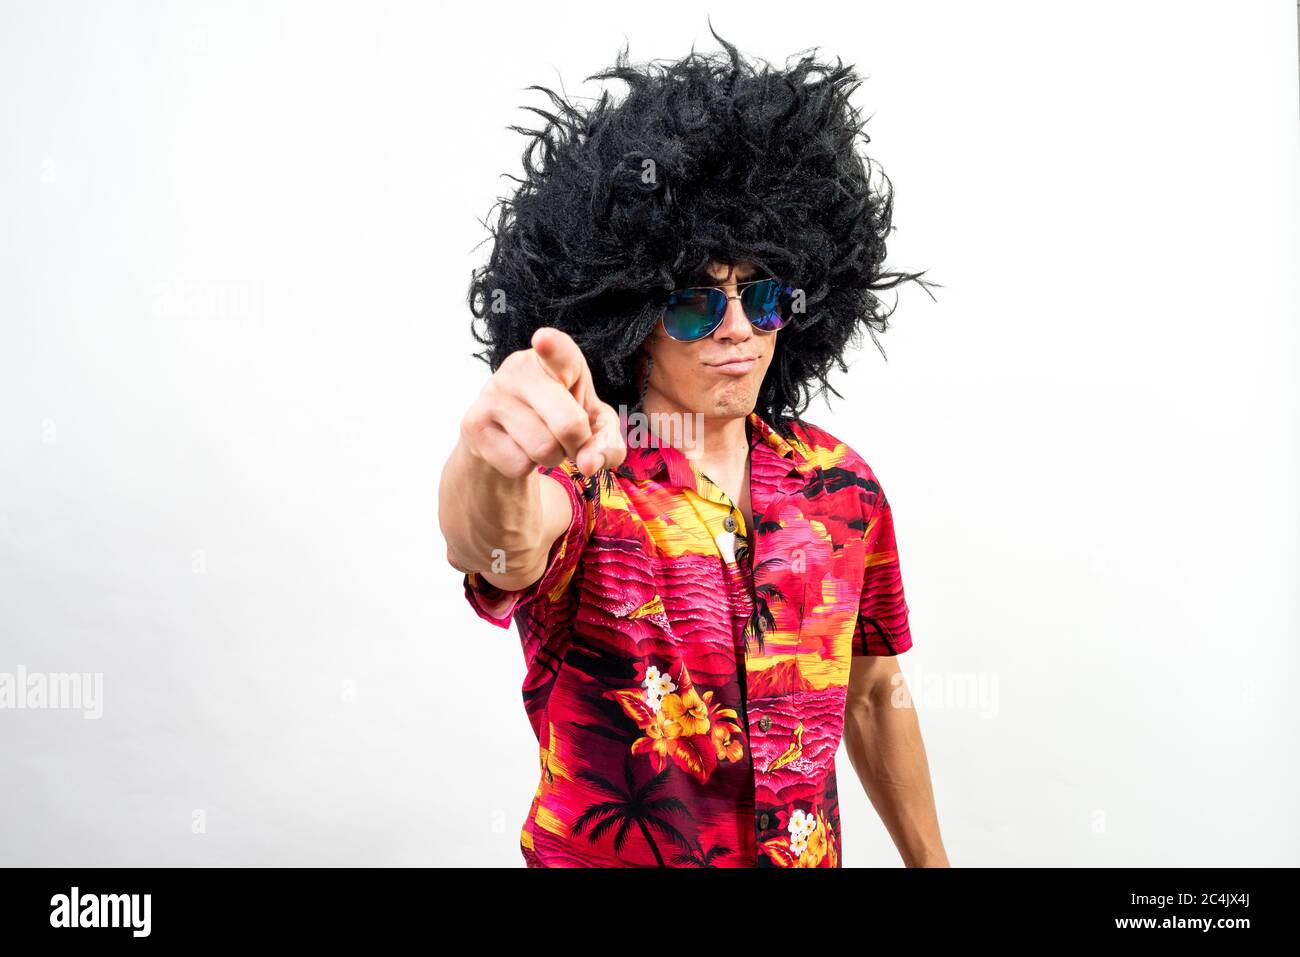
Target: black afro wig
[[706, 158]]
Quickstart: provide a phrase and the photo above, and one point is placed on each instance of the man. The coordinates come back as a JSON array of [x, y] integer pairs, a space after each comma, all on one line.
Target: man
[[706, 586]]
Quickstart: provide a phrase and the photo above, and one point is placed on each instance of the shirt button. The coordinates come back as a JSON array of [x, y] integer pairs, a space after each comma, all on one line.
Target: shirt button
[[729, 523], [762, 822], [761, 626], [764, 723]]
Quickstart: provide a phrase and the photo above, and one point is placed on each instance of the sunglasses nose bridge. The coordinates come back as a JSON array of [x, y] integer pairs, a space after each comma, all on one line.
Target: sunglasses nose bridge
[[735, 324]]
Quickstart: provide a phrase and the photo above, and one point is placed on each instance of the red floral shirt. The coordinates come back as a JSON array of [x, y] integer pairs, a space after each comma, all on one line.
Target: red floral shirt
[[687, 709]]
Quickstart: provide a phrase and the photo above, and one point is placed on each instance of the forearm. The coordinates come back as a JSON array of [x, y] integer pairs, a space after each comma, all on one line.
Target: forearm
[[884, 744], [492, 523]]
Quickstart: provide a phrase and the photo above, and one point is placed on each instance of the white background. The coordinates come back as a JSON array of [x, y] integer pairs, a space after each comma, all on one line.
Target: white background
[[235, 242]]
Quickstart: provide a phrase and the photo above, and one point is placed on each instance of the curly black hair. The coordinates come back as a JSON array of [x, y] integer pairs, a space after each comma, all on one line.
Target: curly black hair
[[707, 158]]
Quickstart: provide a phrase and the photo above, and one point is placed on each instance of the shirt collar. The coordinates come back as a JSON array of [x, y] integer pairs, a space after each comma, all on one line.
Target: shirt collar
[[653, 462]]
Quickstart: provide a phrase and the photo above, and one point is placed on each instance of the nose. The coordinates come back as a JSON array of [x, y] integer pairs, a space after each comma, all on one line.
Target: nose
[[735, 325]]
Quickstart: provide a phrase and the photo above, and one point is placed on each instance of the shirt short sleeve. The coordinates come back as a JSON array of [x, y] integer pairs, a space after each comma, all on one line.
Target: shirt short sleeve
[[499, 605], [882, 626]]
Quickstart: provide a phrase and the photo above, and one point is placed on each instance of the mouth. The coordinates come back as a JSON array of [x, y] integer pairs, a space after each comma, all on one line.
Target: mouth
[[736, 366]]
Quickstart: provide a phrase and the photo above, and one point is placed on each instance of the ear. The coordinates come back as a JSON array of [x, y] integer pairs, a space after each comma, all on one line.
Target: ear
[[644, 366]]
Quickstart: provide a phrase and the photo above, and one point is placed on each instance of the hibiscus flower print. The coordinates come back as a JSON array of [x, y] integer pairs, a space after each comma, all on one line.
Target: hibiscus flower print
[[681, 726]]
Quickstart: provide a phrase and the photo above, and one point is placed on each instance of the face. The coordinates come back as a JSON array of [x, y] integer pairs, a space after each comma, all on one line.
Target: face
[[717, 376]]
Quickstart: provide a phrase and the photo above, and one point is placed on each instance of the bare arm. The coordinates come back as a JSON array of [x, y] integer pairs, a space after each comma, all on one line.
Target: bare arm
[[539, 408], [481, 510], [883, 740]]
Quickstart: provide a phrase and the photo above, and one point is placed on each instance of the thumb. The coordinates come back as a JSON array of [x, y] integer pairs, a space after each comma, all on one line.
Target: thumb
[[606, 448]]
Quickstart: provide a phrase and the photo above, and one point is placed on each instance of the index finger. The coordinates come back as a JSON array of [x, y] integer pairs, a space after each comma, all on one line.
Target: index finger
[[559, 355]]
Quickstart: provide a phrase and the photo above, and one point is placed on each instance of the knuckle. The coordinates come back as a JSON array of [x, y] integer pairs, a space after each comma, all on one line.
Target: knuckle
[[573, 427], [547, 452], [474, 422], [512, 363]]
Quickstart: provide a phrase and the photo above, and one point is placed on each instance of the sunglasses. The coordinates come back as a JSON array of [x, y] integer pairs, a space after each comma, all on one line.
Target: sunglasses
[[696, 311]]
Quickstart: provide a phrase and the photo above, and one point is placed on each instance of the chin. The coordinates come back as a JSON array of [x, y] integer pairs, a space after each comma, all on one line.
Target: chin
[[733, 402]]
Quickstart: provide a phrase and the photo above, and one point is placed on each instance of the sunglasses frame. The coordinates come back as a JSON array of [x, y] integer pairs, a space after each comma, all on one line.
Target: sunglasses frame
[[712, 329]]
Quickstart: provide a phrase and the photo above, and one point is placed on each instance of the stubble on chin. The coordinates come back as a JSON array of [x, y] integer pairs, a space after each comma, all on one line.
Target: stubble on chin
[[734, 400]]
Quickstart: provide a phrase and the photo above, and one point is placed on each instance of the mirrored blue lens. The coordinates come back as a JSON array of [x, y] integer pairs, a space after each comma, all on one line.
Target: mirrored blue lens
[[693, 313], [767, 304]]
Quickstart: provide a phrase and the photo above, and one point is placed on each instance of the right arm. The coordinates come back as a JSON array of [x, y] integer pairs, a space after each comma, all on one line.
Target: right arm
[[481, 510], [494, 507]]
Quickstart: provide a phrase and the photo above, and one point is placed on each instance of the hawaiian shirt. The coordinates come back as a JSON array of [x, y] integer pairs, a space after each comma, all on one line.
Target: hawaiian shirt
[[687, 665]]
